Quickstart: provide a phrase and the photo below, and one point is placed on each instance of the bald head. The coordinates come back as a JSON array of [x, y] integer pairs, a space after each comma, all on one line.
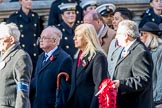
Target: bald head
[[53, 32], [94, 18]]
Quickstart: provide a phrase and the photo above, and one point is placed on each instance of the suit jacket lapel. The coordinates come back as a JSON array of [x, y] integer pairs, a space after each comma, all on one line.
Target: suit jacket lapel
[[55, 54], [130, 51], [83, 65]]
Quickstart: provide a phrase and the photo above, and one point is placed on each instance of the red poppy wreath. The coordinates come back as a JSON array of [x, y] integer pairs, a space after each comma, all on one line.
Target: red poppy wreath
[[107, 94]]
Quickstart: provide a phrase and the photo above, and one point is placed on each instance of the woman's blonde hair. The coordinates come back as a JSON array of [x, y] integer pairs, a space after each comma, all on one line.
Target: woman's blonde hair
[[152, 41], [90, 35]]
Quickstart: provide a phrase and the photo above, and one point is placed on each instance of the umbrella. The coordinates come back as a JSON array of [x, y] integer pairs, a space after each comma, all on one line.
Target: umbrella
[[62, 90]]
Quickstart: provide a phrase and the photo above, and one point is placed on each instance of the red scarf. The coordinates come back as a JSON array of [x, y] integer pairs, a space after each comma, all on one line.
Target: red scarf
[[79, 59]]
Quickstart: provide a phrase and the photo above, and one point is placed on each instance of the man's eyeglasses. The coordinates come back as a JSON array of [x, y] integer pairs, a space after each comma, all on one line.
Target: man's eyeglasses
[[44, 38]]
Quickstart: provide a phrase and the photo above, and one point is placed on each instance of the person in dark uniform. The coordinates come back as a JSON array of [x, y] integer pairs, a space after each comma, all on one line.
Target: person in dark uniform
[[88, 5], [55, 13], [152, 14], [30, 28], [68, 15], [107, 11]]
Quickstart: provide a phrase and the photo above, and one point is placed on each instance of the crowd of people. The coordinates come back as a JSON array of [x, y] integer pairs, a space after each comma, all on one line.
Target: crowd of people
[[62, 65]]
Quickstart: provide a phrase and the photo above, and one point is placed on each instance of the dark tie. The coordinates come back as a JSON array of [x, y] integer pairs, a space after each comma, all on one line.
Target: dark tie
[[122, 53], [44, 59]]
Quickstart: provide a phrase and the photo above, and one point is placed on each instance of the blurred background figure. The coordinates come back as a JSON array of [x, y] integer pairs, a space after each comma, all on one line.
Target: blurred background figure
[[89, 69], [133, 72], [1, 1], [160, 27], [88, 5], [55, 12], [153, 13], [18, 0], [119, 15], [115, 49], [104, 33], [30, 27], [50, 63], [67, 26], [150, 36], [107, 11], [15, 68]]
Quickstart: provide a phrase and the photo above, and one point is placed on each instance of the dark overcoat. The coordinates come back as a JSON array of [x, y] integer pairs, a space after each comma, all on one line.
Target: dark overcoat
[[67, 42], [55, 13], [150, 16], [30, 28], [85, 82], [134, 71], [44, 81]]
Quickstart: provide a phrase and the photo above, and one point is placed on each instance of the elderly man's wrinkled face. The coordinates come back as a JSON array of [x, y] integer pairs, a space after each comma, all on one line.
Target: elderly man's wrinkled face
[[5, 43], [121, 36], [47, 41]]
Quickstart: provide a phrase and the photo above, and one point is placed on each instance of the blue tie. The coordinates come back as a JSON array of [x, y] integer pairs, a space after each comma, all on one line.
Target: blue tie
[[122, 53], [44, 59]]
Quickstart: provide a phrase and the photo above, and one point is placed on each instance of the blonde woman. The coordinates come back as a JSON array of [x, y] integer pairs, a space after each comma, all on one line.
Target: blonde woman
[[90, 68], [150, 36]]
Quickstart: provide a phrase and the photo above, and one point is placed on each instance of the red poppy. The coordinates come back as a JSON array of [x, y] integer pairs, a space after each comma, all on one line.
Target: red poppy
[[52, 58], [84, 64]]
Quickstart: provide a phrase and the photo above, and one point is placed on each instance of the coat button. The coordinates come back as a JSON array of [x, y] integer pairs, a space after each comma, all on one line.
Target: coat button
[[35, 25], [34, 54], [66, 38], [21, 26], [22, 35], [34, 35], [34, 44], [63, 30], [67, 46], [23, 45]]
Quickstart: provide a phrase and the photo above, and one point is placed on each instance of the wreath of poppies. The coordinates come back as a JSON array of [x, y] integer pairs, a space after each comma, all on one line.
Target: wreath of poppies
[[107, 94]]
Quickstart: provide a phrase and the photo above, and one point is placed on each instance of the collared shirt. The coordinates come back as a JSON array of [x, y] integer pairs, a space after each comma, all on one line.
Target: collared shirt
[[100, 31], [129, 45], [51, 52]]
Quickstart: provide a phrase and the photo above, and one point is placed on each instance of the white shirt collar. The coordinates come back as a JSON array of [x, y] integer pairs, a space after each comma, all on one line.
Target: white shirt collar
[[100, 31], [129, 45], [51, 52]]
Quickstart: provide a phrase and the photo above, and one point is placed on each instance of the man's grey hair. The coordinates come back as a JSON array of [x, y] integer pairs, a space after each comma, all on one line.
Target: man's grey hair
[[130, 27], [56, 31], [10, 29]]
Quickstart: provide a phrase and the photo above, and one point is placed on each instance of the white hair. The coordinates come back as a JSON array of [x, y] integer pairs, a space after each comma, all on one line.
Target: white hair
[[10, 29], [130, 27]]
